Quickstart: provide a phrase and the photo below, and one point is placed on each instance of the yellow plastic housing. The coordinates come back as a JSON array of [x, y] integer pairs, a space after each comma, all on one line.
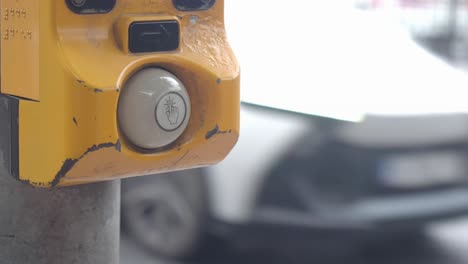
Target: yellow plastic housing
[[73, 70]]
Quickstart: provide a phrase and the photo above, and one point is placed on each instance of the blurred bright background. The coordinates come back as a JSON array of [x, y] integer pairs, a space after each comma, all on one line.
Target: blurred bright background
[[353, 147]]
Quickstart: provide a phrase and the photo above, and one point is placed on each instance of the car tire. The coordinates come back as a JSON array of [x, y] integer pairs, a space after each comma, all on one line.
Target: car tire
[[166, 213]]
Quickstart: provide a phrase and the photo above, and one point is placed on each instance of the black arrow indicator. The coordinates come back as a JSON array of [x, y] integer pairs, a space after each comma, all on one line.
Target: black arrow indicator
[[156, 36], [153, 36]]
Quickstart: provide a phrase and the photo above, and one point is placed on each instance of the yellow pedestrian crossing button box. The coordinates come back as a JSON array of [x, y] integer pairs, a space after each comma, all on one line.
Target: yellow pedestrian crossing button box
[[93, 90]]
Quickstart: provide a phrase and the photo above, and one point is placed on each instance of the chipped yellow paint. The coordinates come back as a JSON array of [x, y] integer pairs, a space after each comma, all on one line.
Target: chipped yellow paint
[[71, 135]]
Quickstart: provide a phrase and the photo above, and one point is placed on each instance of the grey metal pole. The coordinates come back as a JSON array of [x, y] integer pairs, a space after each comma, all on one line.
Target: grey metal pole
[[59, 226]]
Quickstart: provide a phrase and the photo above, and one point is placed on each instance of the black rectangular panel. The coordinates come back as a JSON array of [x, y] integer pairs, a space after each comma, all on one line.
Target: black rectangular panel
[[193, 5], [153, 36], [85, 7]]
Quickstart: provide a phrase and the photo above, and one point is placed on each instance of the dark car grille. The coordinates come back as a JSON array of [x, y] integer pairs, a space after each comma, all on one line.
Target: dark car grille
[[338, 173]]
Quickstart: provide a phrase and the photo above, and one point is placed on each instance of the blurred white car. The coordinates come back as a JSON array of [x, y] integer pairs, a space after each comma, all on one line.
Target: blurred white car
[[433, 19], [344, 126]]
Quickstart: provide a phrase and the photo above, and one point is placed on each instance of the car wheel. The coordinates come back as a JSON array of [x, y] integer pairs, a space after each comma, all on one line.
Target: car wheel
[[166, 213]]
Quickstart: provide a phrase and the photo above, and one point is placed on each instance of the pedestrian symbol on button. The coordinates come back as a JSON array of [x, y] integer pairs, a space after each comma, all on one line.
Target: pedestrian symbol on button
[[171, 111]]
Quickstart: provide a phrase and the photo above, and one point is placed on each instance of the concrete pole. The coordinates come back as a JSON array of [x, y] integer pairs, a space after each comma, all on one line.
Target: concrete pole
[[59, 226]]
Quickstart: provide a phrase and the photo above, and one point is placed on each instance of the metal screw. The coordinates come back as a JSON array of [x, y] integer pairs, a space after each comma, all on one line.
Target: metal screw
[[193, 19]]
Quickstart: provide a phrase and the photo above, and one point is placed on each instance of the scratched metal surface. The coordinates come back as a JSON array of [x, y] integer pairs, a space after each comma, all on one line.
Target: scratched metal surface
[[8, 138], [76, 225]]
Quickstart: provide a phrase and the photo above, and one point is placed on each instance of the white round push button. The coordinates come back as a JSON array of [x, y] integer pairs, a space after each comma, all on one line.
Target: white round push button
[[154, 108]]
